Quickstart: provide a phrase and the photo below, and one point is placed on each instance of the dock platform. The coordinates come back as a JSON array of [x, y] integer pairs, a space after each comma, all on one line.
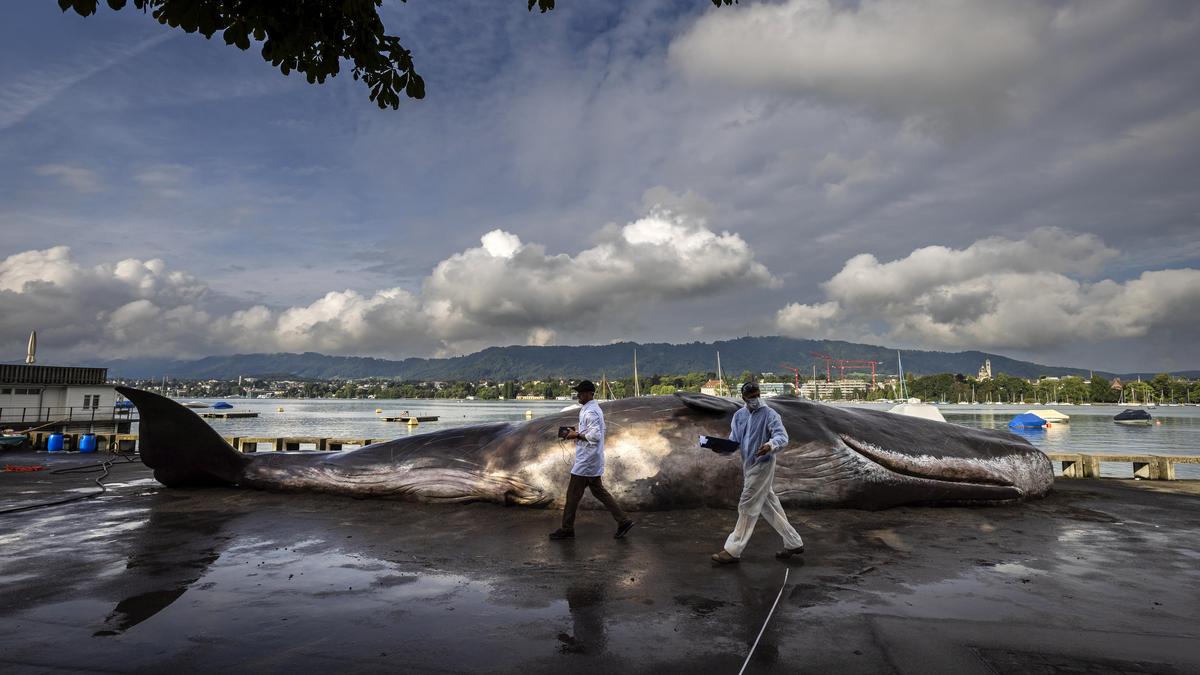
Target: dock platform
[[227, 415], [411, 419]]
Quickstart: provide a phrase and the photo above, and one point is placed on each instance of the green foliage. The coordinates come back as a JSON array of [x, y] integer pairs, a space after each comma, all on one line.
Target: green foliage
[[308, 36], [1101, 391]]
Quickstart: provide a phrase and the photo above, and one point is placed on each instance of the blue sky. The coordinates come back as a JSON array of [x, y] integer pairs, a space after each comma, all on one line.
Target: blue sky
[[1015, 177]]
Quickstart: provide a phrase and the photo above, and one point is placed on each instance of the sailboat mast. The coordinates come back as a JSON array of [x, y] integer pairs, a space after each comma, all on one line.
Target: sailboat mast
[[900, 367], [720, 377], [637, 388]]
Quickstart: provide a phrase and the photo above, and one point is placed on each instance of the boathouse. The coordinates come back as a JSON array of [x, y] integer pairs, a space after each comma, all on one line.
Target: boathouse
[[59, 398]]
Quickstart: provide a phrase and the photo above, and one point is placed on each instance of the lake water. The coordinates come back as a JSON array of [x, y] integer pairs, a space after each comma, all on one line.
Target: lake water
[[1176, 431], [1091, 429]]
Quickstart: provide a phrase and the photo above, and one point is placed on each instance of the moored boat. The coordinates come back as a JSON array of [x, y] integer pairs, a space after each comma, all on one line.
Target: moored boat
[[1050, 415], [1027, 420], [13, 441], [1131, 417], [914, 407]]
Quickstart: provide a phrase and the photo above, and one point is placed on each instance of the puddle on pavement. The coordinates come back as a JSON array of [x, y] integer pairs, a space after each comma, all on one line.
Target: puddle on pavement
[[134, 610]]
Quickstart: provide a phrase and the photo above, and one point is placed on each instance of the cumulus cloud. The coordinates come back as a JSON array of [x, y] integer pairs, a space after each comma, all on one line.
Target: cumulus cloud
[[940, 64], [502, 290], [997, 294]]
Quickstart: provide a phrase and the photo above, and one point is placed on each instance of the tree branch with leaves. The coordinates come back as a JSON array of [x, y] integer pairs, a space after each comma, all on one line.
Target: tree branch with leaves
[[311, 37]]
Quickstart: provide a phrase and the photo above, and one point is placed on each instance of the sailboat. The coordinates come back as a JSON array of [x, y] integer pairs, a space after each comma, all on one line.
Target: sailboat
[[913, 407]]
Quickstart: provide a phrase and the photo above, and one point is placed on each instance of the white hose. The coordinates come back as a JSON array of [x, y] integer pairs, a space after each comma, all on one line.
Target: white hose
[[764, 626]]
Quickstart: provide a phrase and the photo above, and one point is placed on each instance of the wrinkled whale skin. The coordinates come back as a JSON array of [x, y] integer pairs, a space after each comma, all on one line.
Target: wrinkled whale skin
[[835, 456]]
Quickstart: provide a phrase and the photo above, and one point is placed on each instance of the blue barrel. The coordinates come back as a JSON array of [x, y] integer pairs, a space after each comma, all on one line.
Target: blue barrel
[[54, 443], [87, 443]]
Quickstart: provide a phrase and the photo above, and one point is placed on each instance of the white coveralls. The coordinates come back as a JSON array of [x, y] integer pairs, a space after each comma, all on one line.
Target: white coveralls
[[751, 430]]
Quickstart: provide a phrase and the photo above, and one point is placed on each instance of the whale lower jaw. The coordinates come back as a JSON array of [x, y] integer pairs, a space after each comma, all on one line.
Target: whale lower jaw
[[948, 482]]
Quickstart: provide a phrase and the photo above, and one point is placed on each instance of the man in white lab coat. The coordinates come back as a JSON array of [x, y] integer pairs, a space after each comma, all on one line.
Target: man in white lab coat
[[589, 466], [759, 432]]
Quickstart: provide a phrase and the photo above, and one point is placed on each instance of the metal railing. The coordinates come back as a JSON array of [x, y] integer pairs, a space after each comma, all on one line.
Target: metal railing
[[26, 415]]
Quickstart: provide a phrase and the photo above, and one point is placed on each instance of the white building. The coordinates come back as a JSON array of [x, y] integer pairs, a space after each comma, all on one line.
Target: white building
[[31, 394], [985, 371], [769, 389], [824, 391]]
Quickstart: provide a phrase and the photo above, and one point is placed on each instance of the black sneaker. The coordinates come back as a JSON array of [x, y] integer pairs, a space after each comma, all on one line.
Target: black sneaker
[[623, 529], [562, 534], [789, 552]]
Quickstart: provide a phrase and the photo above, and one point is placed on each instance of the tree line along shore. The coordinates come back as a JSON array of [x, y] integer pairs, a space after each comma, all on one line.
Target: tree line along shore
[[949, 387]]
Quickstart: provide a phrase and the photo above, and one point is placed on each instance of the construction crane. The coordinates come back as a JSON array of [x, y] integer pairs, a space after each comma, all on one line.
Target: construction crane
[[846, 364], [795, 373]]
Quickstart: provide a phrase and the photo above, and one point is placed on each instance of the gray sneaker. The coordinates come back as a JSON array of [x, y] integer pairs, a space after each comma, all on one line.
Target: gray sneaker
[[724, 557]]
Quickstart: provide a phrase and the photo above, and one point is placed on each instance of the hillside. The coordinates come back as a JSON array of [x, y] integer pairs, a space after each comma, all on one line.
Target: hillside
[[756, 354]]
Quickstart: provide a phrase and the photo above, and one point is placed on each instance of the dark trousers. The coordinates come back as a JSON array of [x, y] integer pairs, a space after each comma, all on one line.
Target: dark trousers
[[575, 493]]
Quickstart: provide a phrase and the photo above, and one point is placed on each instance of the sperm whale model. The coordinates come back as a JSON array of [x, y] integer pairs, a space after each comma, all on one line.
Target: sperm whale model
[[835, 457]]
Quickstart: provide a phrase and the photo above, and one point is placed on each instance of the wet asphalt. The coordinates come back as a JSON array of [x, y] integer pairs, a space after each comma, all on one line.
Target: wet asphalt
[[1101, 576]]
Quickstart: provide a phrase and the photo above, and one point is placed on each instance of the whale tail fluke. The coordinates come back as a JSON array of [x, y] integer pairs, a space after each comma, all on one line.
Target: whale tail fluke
[[182, 449]]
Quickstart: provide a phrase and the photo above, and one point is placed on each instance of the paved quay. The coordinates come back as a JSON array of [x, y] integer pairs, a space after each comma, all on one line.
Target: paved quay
[[1101, 576]]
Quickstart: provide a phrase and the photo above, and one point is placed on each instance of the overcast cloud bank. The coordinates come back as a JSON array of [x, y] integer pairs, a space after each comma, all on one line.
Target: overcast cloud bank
[[501, 291], [998, 294]]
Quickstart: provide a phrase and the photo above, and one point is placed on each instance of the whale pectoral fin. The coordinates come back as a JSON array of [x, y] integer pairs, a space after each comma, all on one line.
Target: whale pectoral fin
[[182, 448], [709, 405]]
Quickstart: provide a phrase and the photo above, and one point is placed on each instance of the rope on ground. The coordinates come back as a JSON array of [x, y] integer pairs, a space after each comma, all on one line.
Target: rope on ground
[[102, 466], [764, 626]]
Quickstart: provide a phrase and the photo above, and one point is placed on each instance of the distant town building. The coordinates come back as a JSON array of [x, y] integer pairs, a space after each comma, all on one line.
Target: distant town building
[[821, 390], [985, 371], [1116, 384], [714, 388], [769, 389]]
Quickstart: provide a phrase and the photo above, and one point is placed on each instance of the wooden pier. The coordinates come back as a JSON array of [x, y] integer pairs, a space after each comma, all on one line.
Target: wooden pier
[[410, 419], [1150, 467], [228, 415]]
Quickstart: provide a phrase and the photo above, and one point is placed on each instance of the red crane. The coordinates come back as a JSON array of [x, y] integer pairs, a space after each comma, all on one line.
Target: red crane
[[795, 373], [846, 364]]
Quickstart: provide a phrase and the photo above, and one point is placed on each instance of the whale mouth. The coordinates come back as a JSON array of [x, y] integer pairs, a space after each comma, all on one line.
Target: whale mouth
[[960, 471]]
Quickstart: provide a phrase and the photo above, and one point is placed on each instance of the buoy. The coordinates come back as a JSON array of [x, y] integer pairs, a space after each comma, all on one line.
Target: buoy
[[528, 414], [378, 410], [412, 421], [1048, 425], [1158, 421], [280, 409]]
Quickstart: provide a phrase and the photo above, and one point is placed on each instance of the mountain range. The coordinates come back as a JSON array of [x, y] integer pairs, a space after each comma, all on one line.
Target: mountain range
[[756, 354]]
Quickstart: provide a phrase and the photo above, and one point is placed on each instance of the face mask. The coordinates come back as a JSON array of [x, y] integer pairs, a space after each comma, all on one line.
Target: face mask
[[753, 404]]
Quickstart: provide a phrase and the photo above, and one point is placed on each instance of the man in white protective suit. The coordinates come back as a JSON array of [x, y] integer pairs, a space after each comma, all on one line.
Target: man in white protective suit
[[759, 432]]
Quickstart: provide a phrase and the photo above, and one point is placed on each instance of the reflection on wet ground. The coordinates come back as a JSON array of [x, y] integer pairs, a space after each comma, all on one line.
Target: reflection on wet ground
[[1099, 577]]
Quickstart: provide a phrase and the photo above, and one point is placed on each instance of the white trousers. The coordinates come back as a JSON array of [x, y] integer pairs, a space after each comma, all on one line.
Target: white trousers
[[759, 499]]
